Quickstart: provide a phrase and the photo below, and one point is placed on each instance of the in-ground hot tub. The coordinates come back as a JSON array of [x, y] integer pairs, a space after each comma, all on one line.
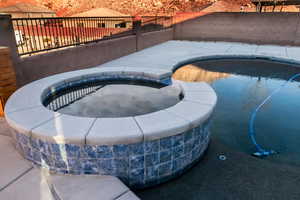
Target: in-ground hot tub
[[142, 149]]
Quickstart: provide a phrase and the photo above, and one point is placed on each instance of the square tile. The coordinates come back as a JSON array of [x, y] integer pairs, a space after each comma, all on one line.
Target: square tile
[[165, 156], [104, 152], [151, 159], [151, 146], [137, 162]]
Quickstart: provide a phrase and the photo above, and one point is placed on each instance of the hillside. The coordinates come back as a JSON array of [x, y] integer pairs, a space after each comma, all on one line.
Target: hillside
[[131, 7]]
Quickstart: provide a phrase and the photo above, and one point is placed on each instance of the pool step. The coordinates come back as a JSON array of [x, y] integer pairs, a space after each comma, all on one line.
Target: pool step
[[89, 187]]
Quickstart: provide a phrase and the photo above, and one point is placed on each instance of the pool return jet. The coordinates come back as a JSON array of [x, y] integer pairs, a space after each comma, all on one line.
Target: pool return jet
[[260, 151]]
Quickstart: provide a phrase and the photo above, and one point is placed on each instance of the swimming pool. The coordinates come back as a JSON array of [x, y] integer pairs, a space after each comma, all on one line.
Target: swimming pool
[[241, 85]]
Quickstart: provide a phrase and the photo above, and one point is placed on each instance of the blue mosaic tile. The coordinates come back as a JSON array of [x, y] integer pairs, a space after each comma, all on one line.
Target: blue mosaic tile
[[178, 164], [197, 141], [60, 164], [89, 166], [44, 147], [27, 153], [165, 156], [106, 166], [197, 131], [89, 152], [195, 154], [188, 146], [187, 159], [104, 152], [167, 81], [72, 150], [46, 161], [165, 143], [23, 139], [136, 176], [36, 156], [151, 146], [121, 165], [137, 162], [152, 172], [178, 151], [74, 164], [120, 150], [188, 135], [151, 159], [58, 149], [34, 144], [177, 140], [136, 149], [165, 169]]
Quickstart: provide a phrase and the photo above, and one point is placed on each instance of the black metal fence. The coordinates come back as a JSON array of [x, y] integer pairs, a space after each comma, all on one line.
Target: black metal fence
[[34, 35], [155, 23]]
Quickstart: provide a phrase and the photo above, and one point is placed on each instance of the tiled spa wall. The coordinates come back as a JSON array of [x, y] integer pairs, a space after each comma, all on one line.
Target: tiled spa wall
[[138, 165]]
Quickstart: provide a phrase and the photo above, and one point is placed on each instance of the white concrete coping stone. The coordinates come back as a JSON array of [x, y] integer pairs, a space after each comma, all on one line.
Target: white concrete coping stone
[[161, 124], [24, 121], [195, 112], [110, 131], [203, 97], [12, 165], [89, 187], [64, 129]]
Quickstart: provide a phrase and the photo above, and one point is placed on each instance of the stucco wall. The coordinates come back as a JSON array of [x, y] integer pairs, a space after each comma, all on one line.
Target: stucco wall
[[261, 28], [153, 38], [36, 67]]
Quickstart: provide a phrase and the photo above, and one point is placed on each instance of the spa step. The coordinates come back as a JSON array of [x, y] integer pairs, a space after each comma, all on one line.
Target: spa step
[[12, 164], [31, 186], [89, 187]]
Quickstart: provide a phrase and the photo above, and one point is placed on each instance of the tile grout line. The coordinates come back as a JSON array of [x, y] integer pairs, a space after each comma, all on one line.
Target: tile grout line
[[92, 125], [16, 179]]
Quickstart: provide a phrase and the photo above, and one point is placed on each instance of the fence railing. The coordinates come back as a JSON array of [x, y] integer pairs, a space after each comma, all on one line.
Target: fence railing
[[34, 35], [154, 23]]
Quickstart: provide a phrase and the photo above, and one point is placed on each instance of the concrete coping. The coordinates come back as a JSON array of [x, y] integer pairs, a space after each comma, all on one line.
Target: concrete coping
[[26, 114]]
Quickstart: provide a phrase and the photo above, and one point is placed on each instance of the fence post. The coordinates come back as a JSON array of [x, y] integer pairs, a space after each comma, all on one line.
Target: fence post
[[8, 36], [137, 25], [7, 77]]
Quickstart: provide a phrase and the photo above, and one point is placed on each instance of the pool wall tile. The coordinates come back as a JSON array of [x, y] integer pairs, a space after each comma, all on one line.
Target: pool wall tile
[[139, 165]]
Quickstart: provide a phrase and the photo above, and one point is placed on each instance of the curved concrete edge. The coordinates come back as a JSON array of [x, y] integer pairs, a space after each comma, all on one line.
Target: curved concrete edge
[[57, 128], [161, 124], [22, 104], [64, 129], [113, 131], [194, 112], [23, 121], [187, 59]]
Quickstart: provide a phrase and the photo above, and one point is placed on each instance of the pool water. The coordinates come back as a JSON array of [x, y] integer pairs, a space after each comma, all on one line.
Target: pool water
[[123, 100], [241, 85]]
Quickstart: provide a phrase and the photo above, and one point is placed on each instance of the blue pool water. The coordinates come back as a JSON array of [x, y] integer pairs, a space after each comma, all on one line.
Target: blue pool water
[[241, 85]]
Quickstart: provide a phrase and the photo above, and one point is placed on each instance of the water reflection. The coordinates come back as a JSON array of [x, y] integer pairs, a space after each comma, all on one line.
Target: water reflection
[[193, 73], [241, 85]]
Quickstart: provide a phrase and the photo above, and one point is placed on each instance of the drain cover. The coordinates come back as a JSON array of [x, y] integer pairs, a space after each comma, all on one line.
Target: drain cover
[[222, 157]]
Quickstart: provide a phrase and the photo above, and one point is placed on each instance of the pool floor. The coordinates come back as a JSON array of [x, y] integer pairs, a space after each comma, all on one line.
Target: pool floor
[[241, 85]]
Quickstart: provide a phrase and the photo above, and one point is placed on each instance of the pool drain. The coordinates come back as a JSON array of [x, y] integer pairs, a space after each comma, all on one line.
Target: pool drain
[[222, 157]]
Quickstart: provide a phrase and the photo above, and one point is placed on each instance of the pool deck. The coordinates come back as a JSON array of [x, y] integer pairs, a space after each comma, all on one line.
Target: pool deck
[[240, 176]]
